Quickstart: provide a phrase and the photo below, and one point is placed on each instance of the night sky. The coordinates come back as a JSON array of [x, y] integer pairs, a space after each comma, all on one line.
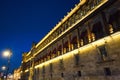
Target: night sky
[[25, 21]]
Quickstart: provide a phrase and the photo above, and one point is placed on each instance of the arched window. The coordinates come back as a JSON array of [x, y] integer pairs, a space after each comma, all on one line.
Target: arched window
[[44, 58], [97, 31], [54, 53], [114, 22], [59, 50], [49, 55], [84, 38], [74, 44], [66, 47]]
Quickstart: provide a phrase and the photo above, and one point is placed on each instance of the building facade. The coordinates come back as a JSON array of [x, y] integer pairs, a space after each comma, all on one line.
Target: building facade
[[84, 45], [17, 74]]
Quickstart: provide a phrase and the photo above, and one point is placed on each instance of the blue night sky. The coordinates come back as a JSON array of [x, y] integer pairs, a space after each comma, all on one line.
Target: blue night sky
[[25, 21]]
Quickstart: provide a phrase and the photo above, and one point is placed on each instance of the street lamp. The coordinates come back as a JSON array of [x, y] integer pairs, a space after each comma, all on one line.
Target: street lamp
[[3, 68], [7, 53]]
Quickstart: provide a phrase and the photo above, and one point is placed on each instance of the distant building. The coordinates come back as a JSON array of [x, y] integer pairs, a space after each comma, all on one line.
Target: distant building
[[9, 77], [1, 75], [17, 74], [84, 45]]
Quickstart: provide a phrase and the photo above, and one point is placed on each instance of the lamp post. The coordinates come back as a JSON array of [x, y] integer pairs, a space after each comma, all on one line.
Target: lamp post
[[7, 53], [3, 68]]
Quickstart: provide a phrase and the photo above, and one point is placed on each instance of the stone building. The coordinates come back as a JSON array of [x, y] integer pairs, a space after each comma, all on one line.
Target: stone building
[[17, 74], [84, 45]]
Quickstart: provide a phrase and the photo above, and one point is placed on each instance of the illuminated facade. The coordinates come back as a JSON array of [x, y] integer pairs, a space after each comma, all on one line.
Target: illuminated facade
[[84, 45], [17, 74]]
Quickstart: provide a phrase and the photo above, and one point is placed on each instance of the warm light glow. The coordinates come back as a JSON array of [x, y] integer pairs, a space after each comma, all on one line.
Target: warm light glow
[[10, 76], [102, 41], [64, 56], [93, 37], [110, 28], [26, 70], [88, 47], [81, 42], [7, 53]]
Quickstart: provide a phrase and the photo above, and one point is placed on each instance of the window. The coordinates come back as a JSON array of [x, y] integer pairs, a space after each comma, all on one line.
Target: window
[[59, 50], [43, 70], [81, 42], [51, 67], [48, 57], [66, 47], [74, 43], [79, 73], [103, 52], [93, 36], [76, 59], [62, 74], [107, 71], [111, 29], [114, 21], [98, 31], [54, 53], [51, 75], [61, 64], [84, 38]]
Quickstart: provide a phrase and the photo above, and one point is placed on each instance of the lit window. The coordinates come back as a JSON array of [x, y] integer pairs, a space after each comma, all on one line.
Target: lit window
[[93, 36], [81, 42], [110, 28]]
